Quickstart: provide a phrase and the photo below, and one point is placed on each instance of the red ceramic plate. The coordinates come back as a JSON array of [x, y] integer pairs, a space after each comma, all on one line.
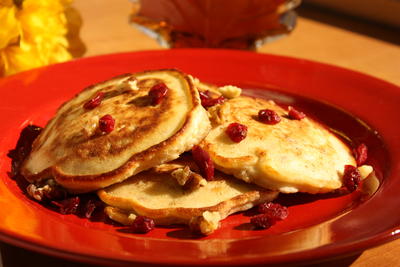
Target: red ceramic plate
[[319, 227]]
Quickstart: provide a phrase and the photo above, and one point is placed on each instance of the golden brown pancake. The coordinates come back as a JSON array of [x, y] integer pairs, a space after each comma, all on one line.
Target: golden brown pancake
[[157, 194], [72, 150], [291, 156]]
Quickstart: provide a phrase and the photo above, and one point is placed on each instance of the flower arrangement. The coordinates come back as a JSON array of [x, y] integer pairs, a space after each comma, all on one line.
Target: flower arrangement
[[35, 33]]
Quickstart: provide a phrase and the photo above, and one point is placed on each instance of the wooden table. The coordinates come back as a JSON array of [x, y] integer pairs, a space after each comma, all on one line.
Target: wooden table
[[319, 36]]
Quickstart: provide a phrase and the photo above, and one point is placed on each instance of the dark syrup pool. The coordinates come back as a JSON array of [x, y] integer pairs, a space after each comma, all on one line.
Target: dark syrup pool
[[305, 210]]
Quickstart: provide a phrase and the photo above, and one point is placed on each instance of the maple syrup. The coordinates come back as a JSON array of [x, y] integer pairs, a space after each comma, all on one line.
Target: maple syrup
[[235, 24]]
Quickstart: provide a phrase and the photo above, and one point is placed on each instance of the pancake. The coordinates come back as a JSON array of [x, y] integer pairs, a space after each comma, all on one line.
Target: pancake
[[290, 156], [157, 194], [75, 151]]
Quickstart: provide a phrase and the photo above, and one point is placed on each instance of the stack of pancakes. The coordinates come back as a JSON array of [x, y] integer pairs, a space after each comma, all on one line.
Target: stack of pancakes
[[143, 167]]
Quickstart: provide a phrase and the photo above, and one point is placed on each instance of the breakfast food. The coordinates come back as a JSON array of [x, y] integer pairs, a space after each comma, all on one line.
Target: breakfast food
[[259, 142], [128, 140], [117, 128], [158, 194]]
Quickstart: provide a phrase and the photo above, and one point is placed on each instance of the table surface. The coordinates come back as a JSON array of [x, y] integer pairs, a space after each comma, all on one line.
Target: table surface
[[319, 36]]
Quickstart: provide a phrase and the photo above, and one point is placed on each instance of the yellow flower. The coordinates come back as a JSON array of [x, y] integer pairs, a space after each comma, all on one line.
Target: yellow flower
[[10, 26], [34, 34]]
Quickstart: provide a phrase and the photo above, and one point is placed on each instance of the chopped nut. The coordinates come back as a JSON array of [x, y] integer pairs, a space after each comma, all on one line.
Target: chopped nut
[[365, 170], [133, 85], [370, 184], [205, 224], [90, 127], [48, 190], [122, 216], [182, 175], [288, 189], [167, 168], [230, 91], [34, 192], [203, 182], [131, 217], [186, 178], [194, 182]]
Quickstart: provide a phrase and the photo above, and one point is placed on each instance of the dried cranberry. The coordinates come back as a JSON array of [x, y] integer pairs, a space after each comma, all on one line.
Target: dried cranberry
[[95, 101], [268, 116], [351, 177], [106, 123], [275, 212], [23, 147], [157, 93], [56, 192], [236, 131], [67, 206], [294, 114], [361, 154], [142, 225], [90, 206], [208, 101], [204, 96], [261, 221], [204, 162]]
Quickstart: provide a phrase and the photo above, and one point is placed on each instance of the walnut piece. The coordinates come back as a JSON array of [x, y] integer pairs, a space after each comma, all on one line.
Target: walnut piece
[[182, 175], [133, 85], [131, 217], [365, 170], [35, 192], [188, 179], [205, 224], [48, 190], [230, 91], [371, 184]]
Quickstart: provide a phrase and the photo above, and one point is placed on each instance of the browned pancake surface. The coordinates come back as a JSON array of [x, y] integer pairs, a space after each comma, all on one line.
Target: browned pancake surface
[[157, 194], [290, 156], [80, 157]]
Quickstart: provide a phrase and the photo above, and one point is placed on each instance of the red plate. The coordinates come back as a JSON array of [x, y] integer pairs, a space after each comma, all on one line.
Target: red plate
[[318, 227]]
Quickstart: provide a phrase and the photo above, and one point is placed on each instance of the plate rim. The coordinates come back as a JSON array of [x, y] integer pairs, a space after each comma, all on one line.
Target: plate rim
[[375, 240]]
